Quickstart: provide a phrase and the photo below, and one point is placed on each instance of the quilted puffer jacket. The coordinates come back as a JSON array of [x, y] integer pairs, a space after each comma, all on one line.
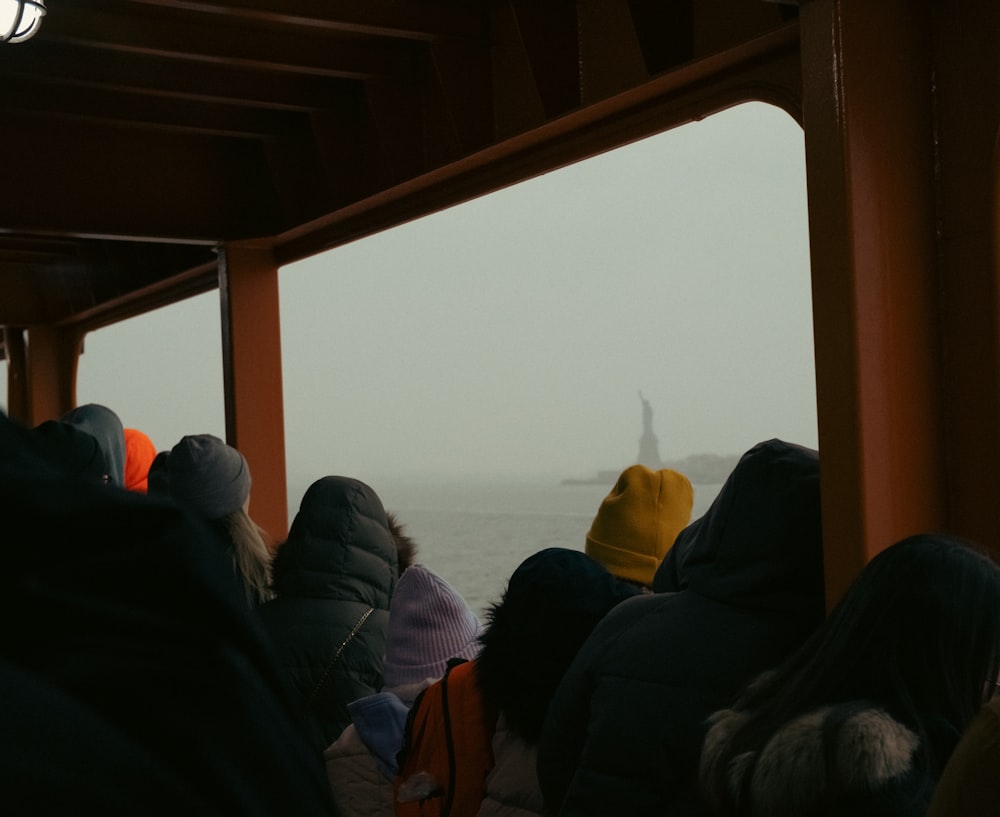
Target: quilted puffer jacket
[[333, 579]]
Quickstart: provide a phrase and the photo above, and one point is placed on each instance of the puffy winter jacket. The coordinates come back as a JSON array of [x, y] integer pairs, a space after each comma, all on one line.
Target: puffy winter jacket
[[740, 589], [333, 579]]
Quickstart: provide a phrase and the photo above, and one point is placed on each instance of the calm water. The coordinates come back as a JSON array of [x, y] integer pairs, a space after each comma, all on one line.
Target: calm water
[[475, 533]]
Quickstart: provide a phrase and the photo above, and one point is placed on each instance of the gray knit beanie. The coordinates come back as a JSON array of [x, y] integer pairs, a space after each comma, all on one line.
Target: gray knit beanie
[[207, 475], [429, 622]]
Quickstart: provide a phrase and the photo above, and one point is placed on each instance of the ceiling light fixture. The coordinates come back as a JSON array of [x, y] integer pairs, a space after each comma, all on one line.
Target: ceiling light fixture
[[20, 19]]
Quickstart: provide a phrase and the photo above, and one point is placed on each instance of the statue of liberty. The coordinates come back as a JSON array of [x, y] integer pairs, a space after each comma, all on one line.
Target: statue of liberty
[[649, 447]]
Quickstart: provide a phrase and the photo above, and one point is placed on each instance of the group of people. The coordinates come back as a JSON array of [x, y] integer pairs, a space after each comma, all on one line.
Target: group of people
[[161, 654]]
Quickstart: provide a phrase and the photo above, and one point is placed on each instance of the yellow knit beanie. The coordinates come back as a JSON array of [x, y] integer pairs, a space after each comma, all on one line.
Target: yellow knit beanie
[[638, 522]]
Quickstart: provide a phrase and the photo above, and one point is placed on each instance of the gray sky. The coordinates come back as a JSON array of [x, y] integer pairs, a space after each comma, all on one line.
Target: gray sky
[[510, 335]]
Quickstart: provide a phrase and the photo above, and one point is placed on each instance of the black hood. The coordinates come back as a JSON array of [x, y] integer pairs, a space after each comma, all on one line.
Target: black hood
[[339, 546], [105, 427], [760, 543], [124, 634], [553, 601]]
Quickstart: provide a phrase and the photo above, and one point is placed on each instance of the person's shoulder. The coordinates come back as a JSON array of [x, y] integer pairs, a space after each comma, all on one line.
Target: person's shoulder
[[627, 622], [627, 614]]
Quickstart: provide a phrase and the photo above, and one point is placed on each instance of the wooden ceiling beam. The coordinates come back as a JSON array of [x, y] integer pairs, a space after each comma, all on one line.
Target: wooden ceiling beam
[[195, 280], [106, 281], [398, 118], [463, 77], [764, 68], [34, 249], [298, 175], [138, 110], [116, 267], [161, 77], [665, 32], [549, 38], [347, 142], [401, 19], [178, 187], [346, 57]]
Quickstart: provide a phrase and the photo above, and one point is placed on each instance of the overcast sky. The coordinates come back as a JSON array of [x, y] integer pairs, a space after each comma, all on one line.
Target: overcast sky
[[511, 335]]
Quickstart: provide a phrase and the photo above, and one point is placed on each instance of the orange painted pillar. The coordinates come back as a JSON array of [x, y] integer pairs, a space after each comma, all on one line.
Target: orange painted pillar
[[50, 373], [867, 112], [251, 360]]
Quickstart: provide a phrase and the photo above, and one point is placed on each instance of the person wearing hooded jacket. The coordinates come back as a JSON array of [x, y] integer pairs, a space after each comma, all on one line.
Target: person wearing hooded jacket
[[741, 588], [105, 426], [132, 678], [861, 720], [333, 579]]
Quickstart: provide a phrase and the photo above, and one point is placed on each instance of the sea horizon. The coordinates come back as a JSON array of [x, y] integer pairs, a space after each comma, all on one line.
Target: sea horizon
[[474, 532]]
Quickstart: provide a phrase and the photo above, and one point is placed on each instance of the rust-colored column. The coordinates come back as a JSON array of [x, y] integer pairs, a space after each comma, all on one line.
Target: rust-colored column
[[52, 356], [251, 360], [867, 105]]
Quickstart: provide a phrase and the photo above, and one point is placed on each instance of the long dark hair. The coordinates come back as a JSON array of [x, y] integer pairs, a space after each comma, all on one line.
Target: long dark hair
[[917, 634]]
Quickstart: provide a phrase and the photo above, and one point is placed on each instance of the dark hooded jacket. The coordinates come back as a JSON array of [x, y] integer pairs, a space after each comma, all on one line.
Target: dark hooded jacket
[[103, 425], [740, 589], [132, 681], [333, 579]]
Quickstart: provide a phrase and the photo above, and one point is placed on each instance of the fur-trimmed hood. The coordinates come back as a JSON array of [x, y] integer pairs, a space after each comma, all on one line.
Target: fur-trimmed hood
[[553, 601], [848, 753]]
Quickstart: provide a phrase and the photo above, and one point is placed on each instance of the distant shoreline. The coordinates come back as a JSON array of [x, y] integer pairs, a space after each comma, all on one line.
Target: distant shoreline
[[701, 469]]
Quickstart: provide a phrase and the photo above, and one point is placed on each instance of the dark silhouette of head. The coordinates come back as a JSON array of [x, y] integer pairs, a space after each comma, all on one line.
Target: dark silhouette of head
[[552, 602], [917, 633]]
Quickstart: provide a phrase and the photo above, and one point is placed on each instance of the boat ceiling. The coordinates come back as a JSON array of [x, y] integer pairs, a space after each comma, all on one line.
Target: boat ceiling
[[139, 135]]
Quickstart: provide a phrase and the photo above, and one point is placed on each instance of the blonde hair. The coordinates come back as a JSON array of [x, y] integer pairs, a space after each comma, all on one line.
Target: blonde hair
[[251, 556]]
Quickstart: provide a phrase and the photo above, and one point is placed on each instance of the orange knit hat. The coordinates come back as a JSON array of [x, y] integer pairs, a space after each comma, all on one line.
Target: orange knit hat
[[139, 453], [638, 521]]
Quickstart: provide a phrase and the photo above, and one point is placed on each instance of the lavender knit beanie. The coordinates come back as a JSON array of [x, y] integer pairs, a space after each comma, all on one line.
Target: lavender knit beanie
[[429, 622]]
